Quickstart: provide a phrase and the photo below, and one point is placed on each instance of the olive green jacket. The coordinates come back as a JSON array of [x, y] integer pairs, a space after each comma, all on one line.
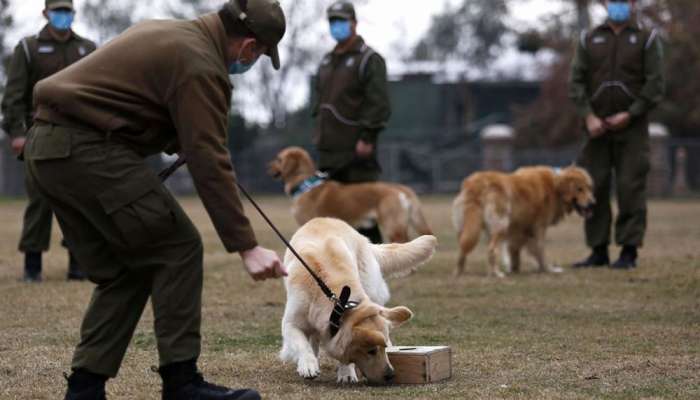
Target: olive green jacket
[[614, 73], [351, 98], [161, 85], [35, 58]]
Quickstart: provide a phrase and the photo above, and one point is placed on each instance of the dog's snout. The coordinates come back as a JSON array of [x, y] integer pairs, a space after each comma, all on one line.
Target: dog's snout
[[389, 375]]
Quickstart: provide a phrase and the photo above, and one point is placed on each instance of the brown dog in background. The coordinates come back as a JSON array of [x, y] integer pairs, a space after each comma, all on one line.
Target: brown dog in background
[[516, 209], [395, 207]]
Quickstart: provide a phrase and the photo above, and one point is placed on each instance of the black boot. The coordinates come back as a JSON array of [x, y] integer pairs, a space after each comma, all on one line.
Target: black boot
[[182, 381], [74, 271], [373, 234], [84, 385], [32, 266], [628, 258], [598, 258]]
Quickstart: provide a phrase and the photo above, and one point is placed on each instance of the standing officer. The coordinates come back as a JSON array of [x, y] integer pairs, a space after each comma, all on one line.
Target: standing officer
[[616, 79], [36, 57], [161, 84], [352, 105]]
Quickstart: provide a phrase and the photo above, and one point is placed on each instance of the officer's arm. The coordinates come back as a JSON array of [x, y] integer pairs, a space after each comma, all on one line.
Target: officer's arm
[[578, 80], [16, 109], [375, 109], [199, 109], [655, 84]]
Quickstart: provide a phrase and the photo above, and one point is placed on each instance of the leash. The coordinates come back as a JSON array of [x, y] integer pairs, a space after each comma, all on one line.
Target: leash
[[341, 304]]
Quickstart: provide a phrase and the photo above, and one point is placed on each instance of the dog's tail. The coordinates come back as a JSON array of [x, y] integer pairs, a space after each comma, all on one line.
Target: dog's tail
[[416, 217], [401, 259], [468, 221]]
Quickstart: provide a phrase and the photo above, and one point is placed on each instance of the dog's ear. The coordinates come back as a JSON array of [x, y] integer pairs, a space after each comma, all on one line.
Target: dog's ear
[[565, 188], [289, 164], [397, 315], [368, 338]]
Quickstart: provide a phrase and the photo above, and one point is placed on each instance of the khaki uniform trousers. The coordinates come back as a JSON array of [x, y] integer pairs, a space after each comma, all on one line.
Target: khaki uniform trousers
[[623, 155], [133, 239]]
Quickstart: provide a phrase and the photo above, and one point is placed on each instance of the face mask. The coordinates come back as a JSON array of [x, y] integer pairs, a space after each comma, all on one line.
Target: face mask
[[237, 67], [340, 30], [61, 20], [619, 11]]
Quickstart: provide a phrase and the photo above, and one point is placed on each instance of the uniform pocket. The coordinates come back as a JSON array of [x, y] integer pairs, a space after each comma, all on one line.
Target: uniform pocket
[[47, 142], [140, 210]]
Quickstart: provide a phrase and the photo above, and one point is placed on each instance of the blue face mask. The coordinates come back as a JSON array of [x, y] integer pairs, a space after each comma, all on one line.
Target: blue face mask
[[61, 19], [341, 30], [238, 67], [619, 11]]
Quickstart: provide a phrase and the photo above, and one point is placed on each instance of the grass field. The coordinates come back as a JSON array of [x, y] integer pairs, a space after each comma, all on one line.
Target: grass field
[[581, 334]]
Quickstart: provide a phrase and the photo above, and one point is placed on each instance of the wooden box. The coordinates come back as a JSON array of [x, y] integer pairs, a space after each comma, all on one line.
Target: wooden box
[[420, 364]]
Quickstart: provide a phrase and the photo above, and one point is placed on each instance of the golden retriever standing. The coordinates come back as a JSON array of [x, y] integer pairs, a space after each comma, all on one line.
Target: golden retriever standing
[[395, 207], [516, 209], [343, 257]]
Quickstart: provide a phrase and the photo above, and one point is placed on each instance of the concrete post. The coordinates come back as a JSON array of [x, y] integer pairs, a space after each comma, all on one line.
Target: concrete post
[[659, 179], [680, 177], [497, 147]]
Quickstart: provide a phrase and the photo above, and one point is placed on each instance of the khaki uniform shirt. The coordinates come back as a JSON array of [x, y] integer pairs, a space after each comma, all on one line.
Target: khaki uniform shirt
[[614, 73], [351, 99], [35, 58], [161, 84]]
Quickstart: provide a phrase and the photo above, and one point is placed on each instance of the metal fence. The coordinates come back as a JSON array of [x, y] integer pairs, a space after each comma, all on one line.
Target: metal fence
[[423, 166]]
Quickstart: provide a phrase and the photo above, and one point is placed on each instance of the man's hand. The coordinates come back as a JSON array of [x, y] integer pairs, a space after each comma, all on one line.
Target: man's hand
[[364, 149], [18, 145], [262, 263], [618, 121], [596, 127]]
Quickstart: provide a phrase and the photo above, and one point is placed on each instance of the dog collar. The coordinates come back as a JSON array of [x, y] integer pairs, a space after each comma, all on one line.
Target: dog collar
[[318, 179]]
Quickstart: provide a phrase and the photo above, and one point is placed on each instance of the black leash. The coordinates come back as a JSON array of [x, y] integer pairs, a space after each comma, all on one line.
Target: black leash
[[342, 303]]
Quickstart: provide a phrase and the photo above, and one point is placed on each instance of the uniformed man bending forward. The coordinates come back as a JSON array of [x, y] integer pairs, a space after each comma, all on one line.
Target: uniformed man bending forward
[[160, 84], [35, 58], [616, 79]]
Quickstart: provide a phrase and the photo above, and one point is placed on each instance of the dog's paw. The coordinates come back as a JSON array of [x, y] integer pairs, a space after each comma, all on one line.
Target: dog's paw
[[347, 374], [307, 367], [555, 269], [499, 274]]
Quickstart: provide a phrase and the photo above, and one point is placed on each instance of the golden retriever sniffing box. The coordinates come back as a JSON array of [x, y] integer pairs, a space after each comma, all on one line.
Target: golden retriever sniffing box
[[395, 207], [343, 257], [515, 211]]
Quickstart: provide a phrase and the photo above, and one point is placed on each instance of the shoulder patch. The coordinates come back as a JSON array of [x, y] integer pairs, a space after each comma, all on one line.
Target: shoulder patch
[[326, 60], [582, 38], [350, 62], [633, 38], [82, 51]]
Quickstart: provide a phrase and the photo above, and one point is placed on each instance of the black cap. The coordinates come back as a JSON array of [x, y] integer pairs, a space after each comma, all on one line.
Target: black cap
[[265, 19], [342, 10]]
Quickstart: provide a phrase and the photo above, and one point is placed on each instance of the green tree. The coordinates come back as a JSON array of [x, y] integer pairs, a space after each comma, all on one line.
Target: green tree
[[473, 30], [107, 18]]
